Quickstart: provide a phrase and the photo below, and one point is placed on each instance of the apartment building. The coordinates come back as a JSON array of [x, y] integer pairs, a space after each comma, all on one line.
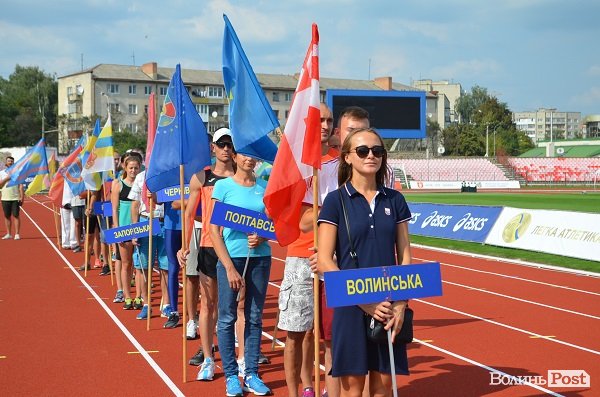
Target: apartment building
[[123, 90], [444, 95], [549, 124]]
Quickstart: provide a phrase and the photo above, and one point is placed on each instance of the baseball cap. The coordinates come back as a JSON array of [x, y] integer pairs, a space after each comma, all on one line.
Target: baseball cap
[[220, 133]]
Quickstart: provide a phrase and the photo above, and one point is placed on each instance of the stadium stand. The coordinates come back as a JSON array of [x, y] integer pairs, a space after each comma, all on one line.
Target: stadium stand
[[569, 151], [556, 169], [450, 169]]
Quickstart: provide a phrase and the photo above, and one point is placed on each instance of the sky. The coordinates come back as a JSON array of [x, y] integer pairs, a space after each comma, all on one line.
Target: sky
[[527, 53]]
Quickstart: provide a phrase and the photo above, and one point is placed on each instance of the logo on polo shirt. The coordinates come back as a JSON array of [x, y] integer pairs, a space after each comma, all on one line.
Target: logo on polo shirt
[[387, 211]]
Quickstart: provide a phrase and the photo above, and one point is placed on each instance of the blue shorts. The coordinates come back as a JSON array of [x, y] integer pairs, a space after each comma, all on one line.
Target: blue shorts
[[140, 254]]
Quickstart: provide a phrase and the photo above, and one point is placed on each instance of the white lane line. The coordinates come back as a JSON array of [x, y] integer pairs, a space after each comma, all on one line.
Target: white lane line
[[524, 300], [43, 204], [515, 262], [515, 278], [165, 378], [489, 369], [510, 327]]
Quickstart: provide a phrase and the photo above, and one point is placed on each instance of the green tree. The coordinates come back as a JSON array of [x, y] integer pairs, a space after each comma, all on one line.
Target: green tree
[[467, 104], [28, 101], [128, 140]]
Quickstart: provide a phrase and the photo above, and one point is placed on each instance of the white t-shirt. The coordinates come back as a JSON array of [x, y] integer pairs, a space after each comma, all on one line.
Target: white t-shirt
[[9, 193], [136, 194]]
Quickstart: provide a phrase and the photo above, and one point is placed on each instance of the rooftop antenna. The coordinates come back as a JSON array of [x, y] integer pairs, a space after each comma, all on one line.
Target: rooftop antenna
[[82, 61], [133, 56]]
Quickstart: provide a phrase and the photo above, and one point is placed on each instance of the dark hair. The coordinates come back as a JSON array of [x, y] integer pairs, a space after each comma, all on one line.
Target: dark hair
[[345, 169], [10, 157], [353, 112]]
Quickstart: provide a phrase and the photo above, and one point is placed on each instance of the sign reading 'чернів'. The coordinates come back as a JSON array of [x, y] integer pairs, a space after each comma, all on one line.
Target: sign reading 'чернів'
[[129, 232], [378, 284], [172, 193], [243, 220]]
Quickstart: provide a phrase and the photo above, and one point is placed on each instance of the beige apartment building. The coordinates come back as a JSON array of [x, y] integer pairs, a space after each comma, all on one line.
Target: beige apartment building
[[124, 90], [549, 124], [444, 94]]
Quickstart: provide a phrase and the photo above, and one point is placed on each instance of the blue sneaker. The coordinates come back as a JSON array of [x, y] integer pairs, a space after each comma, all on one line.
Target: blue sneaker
[[207, 370], [166, 311], [252, 383], [232, 387], [143, 314]]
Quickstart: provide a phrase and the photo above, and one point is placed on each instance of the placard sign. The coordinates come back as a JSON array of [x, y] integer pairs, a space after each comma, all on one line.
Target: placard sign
[[129, 232], [172, 193], [378, 284], [102, 208], [243, 220]]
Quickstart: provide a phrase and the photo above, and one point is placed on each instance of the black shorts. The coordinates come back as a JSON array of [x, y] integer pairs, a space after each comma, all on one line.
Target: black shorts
[[93, 224], [10, 208], [207, 261], [78, 212]]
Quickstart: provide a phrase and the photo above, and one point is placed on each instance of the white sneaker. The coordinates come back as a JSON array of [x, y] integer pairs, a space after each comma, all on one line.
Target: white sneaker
[[207, 370], [241, 368], [7, 236], [190, 331], [17, 237]]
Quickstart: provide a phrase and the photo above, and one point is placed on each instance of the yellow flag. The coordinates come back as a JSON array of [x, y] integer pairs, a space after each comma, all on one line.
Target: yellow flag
[[37, 185]]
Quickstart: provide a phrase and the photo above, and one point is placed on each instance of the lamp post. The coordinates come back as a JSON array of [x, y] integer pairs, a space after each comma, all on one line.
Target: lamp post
[[104, 94], [487, 133]]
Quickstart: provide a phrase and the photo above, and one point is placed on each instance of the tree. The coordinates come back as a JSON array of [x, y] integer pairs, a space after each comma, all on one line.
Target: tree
[[467, 105], [128, 140], [28, 101]]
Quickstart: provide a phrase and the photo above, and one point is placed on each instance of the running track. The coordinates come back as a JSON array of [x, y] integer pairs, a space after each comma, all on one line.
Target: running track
[[61, 335]]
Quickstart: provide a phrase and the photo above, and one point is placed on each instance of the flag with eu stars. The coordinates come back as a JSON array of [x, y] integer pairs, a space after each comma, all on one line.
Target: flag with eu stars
[[181, 139], [250, 115]]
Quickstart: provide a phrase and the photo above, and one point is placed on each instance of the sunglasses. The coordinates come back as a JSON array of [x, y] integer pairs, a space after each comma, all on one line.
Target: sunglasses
[[362, 151], [222, 145]]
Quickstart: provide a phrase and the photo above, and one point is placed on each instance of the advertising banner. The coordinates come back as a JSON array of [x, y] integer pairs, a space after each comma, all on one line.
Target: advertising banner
[[574, 234], [243, 220], [378, 284], [456, 185], [455, 222]]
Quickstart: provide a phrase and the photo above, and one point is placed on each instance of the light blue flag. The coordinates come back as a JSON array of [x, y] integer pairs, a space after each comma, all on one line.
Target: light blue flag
[[34, 162], [181, 139], [250, 115], [72, 174]]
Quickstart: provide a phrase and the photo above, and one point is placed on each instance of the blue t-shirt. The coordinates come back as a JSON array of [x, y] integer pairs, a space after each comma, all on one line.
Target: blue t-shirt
[[172, 217], [229, 192]]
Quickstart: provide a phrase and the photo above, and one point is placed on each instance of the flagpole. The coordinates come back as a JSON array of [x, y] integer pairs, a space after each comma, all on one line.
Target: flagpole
[[184, 270], [87, 228], [150, 261], [56, 225], [112, 276], [316, 295]]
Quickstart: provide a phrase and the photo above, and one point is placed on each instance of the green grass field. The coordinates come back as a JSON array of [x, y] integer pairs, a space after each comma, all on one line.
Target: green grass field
[[588, 202]]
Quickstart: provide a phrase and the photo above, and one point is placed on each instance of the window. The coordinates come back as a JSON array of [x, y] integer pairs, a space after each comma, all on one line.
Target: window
[[132, 127], [69, 90], [115, 108], [288, 96], [201, 109], [276, 113], [145, 109], [275, 96], [133, 109], [112, 88], [163, 90], [147, 89], [132, 89], [287, 114], [215, 92]]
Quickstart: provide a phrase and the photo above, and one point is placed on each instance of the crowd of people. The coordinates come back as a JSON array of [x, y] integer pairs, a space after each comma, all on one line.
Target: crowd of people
[[228, 270]]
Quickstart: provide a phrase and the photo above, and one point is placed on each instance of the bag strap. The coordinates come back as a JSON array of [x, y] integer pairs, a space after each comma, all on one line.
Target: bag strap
[[353, 254]]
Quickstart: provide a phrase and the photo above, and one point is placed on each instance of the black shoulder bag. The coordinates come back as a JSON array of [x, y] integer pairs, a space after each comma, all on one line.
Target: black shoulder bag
[[375, 328]]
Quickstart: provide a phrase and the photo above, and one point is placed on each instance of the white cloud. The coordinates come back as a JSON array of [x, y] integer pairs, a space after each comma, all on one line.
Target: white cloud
[[594, 70], [467, 69]]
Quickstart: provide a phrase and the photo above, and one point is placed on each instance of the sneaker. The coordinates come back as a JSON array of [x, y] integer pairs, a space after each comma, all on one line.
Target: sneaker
[[262, 359], [97, 264], [119, 298], [17, 237], [82, 267], [324, 394], [7, 236], [191, 328], [165, 311], [173, 320], [241, 368], [252, 383], [77, 249], [143, 314], [207, 370], [308, 392], [198, 358], [232, 387], [128, 304], [105, 270], [138, 303]]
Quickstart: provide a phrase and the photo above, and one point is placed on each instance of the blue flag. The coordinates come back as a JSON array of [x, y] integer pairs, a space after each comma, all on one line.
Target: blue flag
[[72, 174], [250, 115], [34, 162], [181, 139]]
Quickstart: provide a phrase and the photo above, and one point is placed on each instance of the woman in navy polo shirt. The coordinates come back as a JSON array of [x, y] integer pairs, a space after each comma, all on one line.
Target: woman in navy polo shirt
[[378, 227]]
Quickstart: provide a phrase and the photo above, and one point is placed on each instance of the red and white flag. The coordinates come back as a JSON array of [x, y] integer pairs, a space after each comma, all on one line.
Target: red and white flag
[[299, 151], [150, 142]]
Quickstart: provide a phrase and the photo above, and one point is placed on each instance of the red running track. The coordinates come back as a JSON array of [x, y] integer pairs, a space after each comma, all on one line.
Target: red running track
[[61, 334]]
